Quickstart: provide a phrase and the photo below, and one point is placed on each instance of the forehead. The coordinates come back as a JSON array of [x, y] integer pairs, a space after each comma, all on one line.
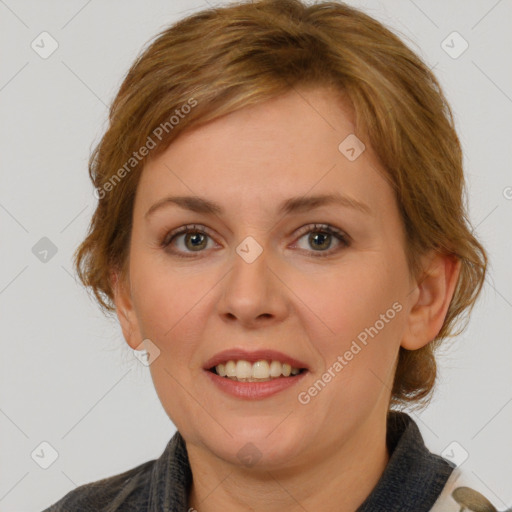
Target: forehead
[[259, 155]]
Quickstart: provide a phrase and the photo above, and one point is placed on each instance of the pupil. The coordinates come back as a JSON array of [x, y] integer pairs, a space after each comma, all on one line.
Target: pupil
[[323, 237], [195, 237]]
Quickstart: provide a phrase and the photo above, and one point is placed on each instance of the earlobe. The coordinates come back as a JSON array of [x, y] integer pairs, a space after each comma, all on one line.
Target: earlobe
[[431, 300], [125, 310]]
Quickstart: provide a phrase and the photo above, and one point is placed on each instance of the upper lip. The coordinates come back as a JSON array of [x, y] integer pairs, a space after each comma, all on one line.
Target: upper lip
[[252, 357]]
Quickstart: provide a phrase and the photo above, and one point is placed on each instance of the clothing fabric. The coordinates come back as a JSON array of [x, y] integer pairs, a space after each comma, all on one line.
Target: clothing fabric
[[414, 480]]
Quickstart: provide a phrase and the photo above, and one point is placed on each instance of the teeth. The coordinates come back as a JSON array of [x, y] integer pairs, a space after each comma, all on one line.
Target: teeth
[[259, 371], [243, 370], [275, 369]]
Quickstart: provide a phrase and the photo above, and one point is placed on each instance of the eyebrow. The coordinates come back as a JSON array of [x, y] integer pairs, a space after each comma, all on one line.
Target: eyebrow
[[292, 205]]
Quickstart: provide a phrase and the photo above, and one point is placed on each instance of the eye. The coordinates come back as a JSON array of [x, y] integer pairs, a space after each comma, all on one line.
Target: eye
[[320, 237], [195, 240]]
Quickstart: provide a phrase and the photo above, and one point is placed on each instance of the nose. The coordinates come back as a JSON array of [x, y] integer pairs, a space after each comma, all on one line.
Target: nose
[[254, 294]]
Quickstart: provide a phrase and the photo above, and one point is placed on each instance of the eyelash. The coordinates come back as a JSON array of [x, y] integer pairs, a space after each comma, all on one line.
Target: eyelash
[[312, 228]]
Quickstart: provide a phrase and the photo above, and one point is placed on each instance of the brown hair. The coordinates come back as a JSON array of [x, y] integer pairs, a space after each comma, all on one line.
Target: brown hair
[[219, 60]]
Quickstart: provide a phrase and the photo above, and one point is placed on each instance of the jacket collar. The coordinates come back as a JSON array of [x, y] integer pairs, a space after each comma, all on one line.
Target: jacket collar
[[412, 480], [414, 477], [171, 479]]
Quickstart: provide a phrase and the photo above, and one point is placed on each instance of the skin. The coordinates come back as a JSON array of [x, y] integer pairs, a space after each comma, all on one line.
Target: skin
[[328, 454]]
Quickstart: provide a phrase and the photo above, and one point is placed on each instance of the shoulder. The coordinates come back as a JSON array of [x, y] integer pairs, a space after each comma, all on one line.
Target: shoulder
[[463, 491], [124, 492]]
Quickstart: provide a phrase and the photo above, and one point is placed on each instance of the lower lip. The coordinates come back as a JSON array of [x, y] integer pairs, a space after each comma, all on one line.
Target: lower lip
[[254, 390]]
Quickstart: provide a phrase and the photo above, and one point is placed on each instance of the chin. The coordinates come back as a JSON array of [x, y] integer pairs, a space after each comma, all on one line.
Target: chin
[[257, 446]]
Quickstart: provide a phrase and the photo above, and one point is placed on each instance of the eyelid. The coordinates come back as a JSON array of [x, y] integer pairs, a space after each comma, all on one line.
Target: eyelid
[[183, 230], [319, 226]]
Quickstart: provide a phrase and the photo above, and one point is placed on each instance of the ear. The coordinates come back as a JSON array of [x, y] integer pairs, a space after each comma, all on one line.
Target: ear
[[430, 299], [125, 310]]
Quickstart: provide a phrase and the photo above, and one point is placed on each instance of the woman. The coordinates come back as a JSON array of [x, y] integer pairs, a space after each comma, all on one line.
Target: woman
[[280, 225]]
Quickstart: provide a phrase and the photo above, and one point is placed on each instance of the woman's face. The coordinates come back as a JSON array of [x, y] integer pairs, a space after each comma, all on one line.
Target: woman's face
[[255, 276]]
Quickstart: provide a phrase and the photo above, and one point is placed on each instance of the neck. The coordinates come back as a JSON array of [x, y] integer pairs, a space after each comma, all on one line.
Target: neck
[[338, 479]]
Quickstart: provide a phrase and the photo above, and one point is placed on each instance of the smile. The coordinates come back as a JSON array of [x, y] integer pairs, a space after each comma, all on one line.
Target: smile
[[259, 371]]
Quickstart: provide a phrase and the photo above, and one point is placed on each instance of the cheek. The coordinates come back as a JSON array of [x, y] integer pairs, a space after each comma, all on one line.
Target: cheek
[[170, 308], [350, 299], [356, 330], [173, 305], [164, 293]]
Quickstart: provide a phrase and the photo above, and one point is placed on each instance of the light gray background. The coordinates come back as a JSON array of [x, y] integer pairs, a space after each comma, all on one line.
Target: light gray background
[[68, 378]]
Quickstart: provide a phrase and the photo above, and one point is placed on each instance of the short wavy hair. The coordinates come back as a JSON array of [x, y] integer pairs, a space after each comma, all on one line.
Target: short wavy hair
[[219, 60]]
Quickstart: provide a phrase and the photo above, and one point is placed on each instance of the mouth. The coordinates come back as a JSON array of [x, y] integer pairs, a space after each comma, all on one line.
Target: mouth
[[255, 375], [260, 371], [260, 366]]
